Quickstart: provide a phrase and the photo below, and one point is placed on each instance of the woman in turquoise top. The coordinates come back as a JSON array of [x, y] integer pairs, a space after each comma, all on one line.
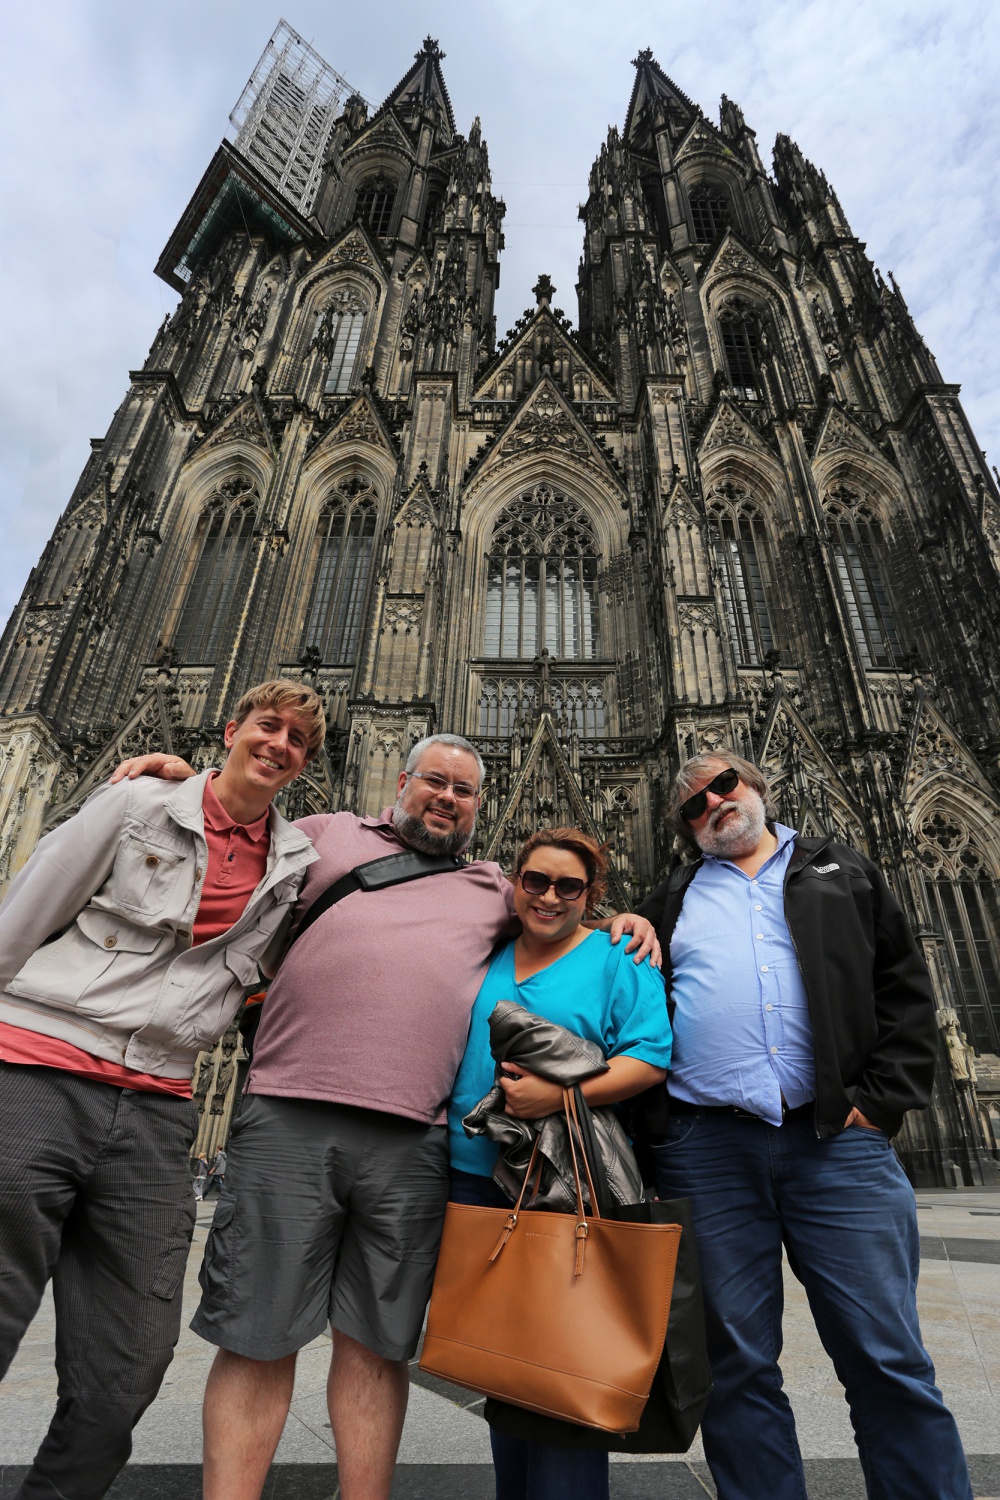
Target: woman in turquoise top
[[571, 975]]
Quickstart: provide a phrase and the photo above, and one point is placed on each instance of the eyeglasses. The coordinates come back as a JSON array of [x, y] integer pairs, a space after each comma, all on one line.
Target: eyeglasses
[[536, 883], [464, 791], [726, 781]]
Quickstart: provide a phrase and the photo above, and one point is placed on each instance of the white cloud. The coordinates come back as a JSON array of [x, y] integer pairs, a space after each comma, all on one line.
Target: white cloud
[[117, 109]]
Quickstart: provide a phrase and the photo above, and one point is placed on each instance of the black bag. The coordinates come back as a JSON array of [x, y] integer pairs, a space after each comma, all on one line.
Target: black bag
[[683, 1382]]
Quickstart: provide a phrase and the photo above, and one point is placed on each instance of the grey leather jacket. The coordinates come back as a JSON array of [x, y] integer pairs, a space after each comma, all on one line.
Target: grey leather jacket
[[520, 1037]]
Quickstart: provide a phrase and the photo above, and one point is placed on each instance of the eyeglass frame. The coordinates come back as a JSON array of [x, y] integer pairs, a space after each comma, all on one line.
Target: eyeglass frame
[[688, 813], [471, 794], [553, 881]]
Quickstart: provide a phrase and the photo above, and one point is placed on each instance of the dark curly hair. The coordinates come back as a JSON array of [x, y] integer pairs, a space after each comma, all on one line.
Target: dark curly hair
[[587, 850]]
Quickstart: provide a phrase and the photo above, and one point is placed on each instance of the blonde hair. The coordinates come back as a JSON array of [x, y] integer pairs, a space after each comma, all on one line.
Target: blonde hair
[[282, 694]]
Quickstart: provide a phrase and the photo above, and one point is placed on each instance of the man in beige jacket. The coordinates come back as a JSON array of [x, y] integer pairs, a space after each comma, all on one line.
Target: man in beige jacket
[[127, 943]]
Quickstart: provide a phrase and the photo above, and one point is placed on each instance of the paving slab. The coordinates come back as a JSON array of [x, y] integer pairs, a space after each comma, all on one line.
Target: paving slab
[[444, 1454]]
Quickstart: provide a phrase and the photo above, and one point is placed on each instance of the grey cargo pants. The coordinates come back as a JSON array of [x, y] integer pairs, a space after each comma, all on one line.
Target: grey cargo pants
[[95, 1192]]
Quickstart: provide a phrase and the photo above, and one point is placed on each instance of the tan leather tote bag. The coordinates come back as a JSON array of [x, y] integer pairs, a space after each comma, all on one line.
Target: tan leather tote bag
[[560, 1313]]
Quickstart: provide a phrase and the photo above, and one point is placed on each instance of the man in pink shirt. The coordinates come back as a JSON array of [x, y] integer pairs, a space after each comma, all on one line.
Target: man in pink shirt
[[338, 1166], [127, 943]]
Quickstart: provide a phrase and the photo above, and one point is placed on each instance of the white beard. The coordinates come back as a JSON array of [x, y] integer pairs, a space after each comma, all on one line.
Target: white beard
[[742, 832]]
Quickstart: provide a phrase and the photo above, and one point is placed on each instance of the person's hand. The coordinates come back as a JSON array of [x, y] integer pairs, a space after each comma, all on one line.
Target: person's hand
[[168, 767], [644, 940], [528, 1096], [857, 1118]]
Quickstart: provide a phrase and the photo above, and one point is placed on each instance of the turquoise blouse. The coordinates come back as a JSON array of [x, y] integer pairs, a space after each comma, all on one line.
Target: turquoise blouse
[[594, 990]]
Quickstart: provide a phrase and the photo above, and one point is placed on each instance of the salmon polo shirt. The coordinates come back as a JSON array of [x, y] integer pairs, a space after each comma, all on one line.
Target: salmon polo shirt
[[237, 863]]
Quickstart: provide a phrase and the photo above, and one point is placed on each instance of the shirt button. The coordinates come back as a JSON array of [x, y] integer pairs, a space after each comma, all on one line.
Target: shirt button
[[759, 936], [754, 882], [768, 1007], [763, 968], [151, 861], [110, 942], [774, 1050], [758, 908]]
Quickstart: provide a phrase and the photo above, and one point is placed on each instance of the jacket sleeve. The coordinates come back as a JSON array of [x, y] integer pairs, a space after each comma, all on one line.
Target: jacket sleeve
[[652, 907], [68, 866], [899, 1072]]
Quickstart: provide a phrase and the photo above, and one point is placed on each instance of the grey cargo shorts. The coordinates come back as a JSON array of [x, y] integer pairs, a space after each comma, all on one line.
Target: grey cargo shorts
[[330, 1215]]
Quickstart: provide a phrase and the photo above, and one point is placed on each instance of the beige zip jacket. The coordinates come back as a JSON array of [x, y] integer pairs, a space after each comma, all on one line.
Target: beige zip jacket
[[95, 931]]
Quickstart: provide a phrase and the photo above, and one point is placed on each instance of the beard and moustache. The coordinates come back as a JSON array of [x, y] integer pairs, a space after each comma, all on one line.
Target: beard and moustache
[[742, 832], [418, 835]]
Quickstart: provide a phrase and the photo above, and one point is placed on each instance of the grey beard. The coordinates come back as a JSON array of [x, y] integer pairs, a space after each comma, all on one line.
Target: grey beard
[[741, 835], [415, 833]]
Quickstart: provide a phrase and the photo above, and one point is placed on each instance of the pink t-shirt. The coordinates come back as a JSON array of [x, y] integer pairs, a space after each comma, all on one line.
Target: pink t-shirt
[[371, 1007]]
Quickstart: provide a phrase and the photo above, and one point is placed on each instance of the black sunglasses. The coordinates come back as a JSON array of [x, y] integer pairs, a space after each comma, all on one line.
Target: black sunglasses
[[726, 781], [536, 883]]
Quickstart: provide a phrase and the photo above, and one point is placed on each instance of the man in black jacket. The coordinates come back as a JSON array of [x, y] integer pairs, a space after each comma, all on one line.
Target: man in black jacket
[[803, 1030]]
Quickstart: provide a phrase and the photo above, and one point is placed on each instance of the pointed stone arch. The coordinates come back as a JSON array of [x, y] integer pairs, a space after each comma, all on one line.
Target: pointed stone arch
[[954, 827], [733, 448], [152, 725], [244, 428], [937, 758], [808, 789], [545, 426], [544, 793], [844, 450]]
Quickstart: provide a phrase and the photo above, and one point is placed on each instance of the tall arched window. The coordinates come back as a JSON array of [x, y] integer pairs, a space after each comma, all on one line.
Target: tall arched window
[[375, 199], [963, 895], [858, 545], [338, 337], [216, 593], [711, 211], [741, 343], [740, 543], [652, 197], [542, 580], [345, 541]]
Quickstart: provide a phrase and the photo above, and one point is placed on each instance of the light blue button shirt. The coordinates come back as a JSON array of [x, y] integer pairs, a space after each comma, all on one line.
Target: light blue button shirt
[[742, 1033]]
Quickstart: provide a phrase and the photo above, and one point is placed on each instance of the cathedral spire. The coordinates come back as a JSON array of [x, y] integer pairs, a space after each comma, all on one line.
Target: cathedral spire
[[423, 86], [653, 89]]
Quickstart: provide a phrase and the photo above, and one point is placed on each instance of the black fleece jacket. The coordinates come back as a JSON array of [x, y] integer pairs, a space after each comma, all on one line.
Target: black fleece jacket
[[869, 993]]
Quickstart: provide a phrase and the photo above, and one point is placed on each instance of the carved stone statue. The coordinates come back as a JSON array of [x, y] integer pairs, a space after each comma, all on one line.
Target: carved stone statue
[[961, 1056]]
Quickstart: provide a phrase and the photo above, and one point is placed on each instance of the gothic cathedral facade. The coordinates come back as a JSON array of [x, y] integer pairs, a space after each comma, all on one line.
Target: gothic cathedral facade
[[736, 506]]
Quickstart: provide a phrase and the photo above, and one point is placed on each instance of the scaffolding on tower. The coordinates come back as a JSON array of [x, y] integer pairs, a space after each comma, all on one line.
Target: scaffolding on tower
[[284, 117]]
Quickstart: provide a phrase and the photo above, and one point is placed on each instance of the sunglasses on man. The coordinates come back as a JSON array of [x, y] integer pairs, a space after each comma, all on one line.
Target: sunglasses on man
[[536, 883], [726, 781]]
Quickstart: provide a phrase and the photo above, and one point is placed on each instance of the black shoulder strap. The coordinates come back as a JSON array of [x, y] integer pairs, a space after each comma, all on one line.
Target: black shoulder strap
[[392, 869]]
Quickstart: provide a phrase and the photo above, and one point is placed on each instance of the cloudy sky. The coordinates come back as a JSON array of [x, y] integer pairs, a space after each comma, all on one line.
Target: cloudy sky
[[111, 110]]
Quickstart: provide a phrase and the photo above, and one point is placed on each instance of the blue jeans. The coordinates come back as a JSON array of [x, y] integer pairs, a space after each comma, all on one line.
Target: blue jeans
[[532, 1471], [847, 1216]]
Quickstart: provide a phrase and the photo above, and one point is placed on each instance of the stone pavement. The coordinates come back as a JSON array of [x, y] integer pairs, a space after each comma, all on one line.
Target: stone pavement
[[445, 1448]]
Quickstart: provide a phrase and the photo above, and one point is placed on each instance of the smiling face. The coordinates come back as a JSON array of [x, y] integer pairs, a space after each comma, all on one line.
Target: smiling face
[[550, 918], [432, 817], [267, 750], [732, 824]]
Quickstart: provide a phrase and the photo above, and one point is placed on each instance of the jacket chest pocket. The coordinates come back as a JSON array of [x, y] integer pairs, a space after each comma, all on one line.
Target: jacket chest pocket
[[144, 876]]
